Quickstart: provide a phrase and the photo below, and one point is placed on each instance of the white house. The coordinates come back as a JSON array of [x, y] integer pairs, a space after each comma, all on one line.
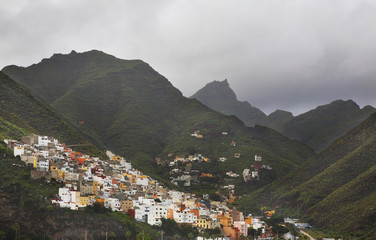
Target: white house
[[112, 203], [142, 181], [184, 217], [175, 195], [126, 164], [141, 213], [157, 212], [44, 165], [19, 150], [43, 141], [64, 194]]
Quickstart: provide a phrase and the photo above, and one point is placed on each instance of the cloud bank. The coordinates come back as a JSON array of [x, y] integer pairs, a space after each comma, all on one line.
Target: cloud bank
[[289, 54]]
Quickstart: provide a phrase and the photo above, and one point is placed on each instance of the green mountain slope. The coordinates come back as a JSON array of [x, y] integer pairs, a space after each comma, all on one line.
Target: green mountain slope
[[317, 128], [336, 189], [321, 126], [277, 119], [220, 97], [26, 202], [22, 113], [136, 112]]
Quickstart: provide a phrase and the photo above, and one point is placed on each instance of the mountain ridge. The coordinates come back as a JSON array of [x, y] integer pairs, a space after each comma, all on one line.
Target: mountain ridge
[[318, 127], [136, 112], [220, 97], [320, 187]]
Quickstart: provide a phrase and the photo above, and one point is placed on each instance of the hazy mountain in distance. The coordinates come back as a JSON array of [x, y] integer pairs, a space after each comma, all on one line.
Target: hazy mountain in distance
[[220, 97], [317, 128], [277, 119], [324, 124]]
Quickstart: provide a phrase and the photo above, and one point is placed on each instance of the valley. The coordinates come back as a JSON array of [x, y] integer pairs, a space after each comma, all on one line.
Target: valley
[[203, 169]]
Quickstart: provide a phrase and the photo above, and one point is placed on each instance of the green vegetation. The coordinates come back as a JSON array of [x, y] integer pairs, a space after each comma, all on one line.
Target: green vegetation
[[277, 119], [170, 227], [136, 112], [21, 113], [317, 128], [335, 191], [321, 126]]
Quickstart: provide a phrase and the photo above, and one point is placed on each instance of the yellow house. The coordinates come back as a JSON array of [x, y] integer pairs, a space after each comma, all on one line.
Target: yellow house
[[95, 187], [203, 223], [116, 158], [129, 176], [84, 201], [35, 164], [60, 174], [53, 169], [84, 168], [123, 186]]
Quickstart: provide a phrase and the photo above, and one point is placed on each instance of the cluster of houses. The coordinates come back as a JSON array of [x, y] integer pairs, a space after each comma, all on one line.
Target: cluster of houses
[[252, 173], [116, 185]]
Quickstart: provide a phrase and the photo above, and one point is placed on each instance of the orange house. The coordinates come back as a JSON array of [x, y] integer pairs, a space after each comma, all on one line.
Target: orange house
[[248, 220], [170, 214], [81, 160], [195, 212], [100, 201], [225, 221]]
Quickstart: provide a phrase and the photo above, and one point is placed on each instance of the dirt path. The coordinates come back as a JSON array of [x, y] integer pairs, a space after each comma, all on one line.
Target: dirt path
[[306, 234]]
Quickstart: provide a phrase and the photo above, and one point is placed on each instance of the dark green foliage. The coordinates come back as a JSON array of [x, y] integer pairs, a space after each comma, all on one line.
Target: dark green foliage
[[321, 126], [211, 233], [335, 190], [170, 227], [136, 112], [21, 113]]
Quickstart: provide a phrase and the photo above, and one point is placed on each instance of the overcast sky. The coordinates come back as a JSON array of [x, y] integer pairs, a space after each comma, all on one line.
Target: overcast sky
[[281, 54]]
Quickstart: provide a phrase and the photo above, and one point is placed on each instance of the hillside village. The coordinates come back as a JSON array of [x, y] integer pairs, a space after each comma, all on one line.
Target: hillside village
[[116, 185]]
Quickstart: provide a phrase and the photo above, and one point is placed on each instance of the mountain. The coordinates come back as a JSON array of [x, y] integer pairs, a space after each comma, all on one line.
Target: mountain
[[22, 113], [277, 119], [317, 128], [221, 98], [336, 190], [134, 111], [321, 126]]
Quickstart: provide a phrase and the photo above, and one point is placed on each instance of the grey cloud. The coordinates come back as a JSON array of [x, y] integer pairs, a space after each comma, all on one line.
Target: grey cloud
[[291, 55]]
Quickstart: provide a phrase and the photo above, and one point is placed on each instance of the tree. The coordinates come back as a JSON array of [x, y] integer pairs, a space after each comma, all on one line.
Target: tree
[[16, 227], [279, 230], [2, 235], [140, 236], [128, 234], [112, 235], [190, 235]]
